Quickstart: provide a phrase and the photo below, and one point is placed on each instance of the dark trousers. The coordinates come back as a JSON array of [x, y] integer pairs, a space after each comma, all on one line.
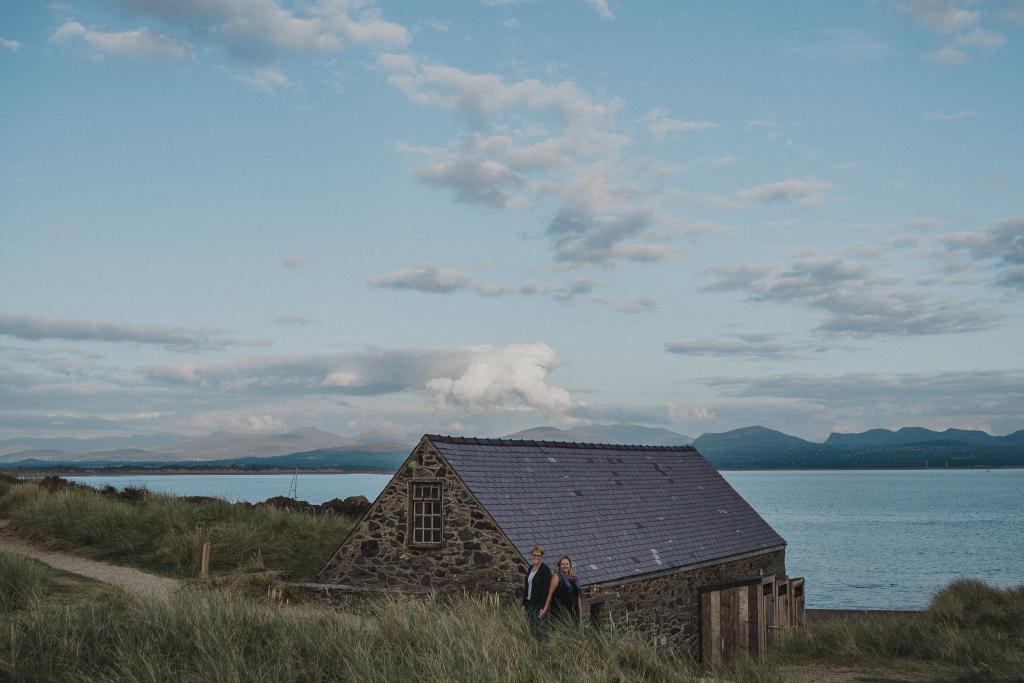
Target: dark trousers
[[538, 627]]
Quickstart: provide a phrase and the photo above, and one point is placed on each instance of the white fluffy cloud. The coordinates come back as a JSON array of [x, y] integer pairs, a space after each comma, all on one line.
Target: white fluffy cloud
[[139, 43], [11, 45], [513, 376], [259, 29]]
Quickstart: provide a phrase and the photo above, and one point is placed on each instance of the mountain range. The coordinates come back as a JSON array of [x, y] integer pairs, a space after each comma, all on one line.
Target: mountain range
[[748, 447]]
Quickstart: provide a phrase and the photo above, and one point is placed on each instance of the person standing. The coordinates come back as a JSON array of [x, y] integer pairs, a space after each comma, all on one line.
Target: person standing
[[565, 599], [535, 591]]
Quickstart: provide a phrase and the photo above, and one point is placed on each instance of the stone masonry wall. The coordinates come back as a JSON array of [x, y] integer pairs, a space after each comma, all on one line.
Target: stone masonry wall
[[667, 608], [473, 555]]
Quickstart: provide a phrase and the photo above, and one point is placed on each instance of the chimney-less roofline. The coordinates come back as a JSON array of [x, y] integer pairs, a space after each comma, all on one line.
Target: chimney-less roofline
[[556, 444]]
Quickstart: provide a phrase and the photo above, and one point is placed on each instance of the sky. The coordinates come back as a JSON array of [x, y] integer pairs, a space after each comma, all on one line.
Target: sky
[[479, 216]]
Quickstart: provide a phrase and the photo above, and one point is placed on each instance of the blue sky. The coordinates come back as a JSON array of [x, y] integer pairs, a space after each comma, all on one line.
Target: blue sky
[[476, 217]]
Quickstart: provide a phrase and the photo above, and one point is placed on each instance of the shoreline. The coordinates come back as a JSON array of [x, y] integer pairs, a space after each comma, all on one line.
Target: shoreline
[[86, 471], [36, 472]]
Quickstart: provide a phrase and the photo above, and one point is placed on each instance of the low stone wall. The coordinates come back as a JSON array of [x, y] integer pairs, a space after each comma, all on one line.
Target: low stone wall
[[473, 555], [667, 608]]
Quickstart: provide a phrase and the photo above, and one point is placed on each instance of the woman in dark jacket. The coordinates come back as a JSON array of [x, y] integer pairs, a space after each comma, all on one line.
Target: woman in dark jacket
[[564, 600], [535, 589]]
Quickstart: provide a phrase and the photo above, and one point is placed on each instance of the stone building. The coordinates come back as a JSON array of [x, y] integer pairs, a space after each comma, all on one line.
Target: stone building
[[650, 530]]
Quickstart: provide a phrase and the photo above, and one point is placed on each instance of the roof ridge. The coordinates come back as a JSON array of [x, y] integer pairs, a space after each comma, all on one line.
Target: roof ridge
[[554, 444]]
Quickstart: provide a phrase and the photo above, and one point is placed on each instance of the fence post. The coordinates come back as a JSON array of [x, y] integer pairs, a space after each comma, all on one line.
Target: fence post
[[204, 570]]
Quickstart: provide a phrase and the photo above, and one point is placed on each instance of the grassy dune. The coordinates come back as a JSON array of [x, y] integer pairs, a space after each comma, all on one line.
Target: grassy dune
[[971, 632], [166, 533], [208, 635]]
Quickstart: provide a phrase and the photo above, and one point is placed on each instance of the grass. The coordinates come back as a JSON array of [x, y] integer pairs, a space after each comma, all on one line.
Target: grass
[[970, 627], [203, 635], [166, 533], [209, 635], [971, 632]]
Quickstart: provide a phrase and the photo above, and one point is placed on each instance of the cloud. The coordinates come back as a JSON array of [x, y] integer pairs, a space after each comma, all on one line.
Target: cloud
[[437, 24], [139, 43], [433, 278], [269, 80], [532, 142], [942, 16], [858, 300], [11, 45], [1013, 11], [963, 37], [502, 378], [723, 161], [1001, 245], [268, 392], [583, 237], [804, 191], [424, 277], [644, 304], [292, 320], [660, 124], [476, 378], [923, 223], [842, 45], [260, 29], [298, 261], [942, 116], [474, 180], [601, 6], [757, 346], [873, 399], [479, 97], [36, 328]]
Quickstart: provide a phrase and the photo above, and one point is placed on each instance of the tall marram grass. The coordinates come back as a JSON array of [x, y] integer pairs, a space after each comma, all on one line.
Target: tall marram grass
[[167, 533], [23, 583], [970, 625], [209, 636]]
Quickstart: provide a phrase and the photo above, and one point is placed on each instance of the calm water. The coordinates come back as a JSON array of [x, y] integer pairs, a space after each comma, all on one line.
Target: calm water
[[863, 540]]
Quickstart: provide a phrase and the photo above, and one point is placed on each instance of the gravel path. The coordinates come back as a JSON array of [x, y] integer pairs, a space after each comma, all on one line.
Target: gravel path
[[132, 580]]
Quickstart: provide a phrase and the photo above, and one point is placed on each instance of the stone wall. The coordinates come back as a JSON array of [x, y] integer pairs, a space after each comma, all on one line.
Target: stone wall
[[473, 555], [667, 608]]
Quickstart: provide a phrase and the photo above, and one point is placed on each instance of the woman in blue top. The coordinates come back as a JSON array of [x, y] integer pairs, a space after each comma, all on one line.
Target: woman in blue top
[[564, 600]]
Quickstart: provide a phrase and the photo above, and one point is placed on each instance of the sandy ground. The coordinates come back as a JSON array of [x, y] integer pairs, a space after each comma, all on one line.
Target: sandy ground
[[132, 580]]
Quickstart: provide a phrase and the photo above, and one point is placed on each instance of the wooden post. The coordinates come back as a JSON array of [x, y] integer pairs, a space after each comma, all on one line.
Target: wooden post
[[204, 570]]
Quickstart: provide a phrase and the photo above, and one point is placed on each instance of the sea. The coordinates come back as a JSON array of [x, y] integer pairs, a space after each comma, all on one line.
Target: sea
[[875, 540]]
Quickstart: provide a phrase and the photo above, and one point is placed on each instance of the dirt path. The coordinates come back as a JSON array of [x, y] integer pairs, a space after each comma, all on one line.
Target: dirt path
[[132, 580]]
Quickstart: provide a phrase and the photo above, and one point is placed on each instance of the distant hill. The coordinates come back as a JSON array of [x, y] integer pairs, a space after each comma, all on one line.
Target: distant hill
[[214, 447], [92, 444], [221, 445], [755, 447], [910, 435], [621, 433], [749, 438], [352, 458]]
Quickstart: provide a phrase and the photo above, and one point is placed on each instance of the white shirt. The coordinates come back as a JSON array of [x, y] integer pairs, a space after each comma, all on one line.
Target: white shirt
[[529, 583]]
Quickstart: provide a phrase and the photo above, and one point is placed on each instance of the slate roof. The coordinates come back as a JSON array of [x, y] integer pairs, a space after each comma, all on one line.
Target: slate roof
[[618, 511]]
